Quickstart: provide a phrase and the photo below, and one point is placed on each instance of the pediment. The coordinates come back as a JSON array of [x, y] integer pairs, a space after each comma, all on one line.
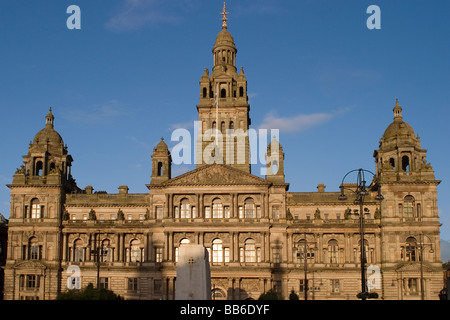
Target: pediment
[[30, 264], [216, 174], [412, 266]]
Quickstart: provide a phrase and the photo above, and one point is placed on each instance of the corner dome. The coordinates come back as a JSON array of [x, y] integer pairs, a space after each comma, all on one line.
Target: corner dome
[[398, 127], [162, 146], [48, 133]]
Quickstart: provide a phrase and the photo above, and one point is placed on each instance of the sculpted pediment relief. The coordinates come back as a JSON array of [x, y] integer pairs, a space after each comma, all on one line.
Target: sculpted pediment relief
[[216, 174], [30, 264], [411, 266]]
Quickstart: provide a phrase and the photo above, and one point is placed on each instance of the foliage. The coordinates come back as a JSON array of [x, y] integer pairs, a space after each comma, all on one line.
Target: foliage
[[88, 293], [269, 295], [367, 295]]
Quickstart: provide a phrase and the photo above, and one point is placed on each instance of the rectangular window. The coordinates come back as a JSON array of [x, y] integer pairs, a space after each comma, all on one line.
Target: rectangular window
[[413, 286], [132, 284], [226, 210], [334, 285], [302, 286], [158, 254], [159, 212], [241, 212], [194, 212], [32, 281], [258, 212], [276, 212], [104, 283], [276, 255], [226, 255], [157, 286], [207, 212]]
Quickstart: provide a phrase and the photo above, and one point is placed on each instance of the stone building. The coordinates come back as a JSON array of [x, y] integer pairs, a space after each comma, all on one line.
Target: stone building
[[259, 234], [3, 246]]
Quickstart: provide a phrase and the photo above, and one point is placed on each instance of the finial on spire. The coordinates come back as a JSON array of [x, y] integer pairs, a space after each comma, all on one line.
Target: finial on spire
[[49, 118], [397, 111], [224, 13]]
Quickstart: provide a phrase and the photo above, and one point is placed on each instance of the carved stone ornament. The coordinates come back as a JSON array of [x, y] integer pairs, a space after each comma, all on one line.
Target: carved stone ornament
[[216, 174]]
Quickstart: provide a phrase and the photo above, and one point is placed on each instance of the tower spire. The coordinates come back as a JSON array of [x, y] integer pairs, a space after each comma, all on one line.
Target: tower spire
[[397, 111], [224, 13]]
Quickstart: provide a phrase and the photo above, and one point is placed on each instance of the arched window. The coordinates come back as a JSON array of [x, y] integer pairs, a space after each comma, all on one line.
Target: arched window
[[333, 251], [392, 163], [223, 93], [177, 249], [408, 207], [184, 241], [217, 208], [222, 126], [232, 125], [39, 168], [160, 169], [405, 163], [205, 92], [106, 251], [249, 208], [301, 253], [135, 251], [241, 91], [33, 249], [78, 252], [249, 251], [214, 125], [410, 249], [185, 209], [218, 294], [35, 209], [217, 251]]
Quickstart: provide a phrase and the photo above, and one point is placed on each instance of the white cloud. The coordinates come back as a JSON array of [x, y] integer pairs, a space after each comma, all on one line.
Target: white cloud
[[297, 123]]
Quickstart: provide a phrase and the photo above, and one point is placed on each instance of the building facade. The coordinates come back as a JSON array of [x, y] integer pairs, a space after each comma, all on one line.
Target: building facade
[[259, 235]]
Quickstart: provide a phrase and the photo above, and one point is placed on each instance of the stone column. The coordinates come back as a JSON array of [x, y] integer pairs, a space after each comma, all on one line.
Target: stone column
[[166, 211], [236, 207]]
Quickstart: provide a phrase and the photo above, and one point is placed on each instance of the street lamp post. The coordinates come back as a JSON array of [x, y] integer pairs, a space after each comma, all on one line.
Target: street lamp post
[[421, 246], [361, 191], [305, 263], [98, 251]]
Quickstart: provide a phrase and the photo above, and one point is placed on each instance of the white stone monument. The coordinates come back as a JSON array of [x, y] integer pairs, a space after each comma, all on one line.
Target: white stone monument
[[193, 273]]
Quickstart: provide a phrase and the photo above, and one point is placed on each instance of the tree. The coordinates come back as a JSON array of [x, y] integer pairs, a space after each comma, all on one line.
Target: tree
[[269, 295], [88, 293]]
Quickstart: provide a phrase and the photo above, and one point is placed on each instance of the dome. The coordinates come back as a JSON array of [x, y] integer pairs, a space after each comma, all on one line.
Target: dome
[[224, 38], [398, 127], [162, 146], [48, 134]]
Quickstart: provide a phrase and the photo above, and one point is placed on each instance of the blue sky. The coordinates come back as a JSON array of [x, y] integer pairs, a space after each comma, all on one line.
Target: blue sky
[[131, 75]]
